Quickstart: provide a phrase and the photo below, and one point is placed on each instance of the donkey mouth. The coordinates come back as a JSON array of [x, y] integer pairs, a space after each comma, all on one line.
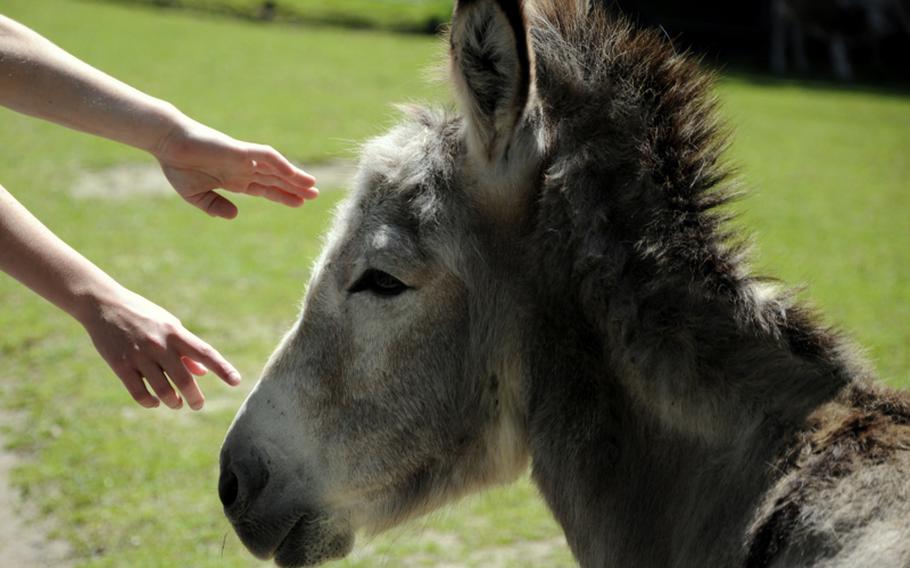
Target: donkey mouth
[[312, 541]]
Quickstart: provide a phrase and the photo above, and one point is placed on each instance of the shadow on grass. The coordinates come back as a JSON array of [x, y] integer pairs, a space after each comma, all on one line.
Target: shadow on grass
[[352, 14], [887, 87], [266, 11]]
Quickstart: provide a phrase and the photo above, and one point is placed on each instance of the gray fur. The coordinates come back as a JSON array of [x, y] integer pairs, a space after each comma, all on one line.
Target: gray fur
[[573, 299]]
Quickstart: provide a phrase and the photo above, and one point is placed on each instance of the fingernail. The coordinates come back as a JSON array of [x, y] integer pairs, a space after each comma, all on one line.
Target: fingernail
[[234, 378]]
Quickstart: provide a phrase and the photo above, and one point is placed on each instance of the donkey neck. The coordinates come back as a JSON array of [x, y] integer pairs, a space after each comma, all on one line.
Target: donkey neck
[[671, 403], [709, 366], [664, 378]]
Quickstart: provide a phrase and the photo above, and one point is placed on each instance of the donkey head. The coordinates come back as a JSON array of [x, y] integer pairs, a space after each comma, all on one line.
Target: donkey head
[[399, 388]]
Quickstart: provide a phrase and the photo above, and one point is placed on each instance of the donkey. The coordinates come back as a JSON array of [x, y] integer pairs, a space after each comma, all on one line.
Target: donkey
[[545, 278]]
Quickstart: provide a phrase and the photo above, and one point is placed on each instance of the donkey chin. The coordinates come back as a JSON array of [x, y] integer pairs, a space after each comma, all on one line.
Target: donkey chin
[[311, 539], [274, 517]]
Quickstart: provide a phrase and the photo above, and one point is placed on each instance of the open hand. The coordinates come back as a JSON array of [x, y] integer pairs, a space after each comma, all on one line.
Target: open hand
[[197, 160], [143, 343]]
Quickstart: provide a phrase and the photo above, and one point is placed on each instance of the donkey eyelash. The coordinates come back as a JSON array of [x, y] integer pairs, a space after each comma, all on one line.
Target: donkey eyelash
[[378, 282]]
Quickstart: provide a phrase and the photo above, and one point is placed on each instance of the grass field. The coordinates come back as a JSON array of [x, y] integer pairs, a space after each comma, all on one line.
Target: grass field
[[829, 171], [423, 16]]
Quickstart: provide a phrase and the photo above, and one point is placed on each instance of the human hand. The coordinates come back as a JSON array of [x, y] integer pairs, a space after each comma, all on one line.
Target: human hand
[[197, 160], [139, 339]]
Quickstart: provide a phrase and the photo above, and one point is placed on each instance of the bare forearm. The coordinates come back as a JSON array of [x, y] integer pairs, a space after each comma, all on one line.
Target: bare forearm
[[36, 257], [40, 79], [137, 338]]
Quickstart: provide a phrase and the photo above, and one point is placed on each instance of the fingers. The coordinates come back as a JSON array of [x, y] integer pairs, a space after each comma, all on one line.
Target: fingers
[[154, 376], [194, 367], [269, 161], [282, 184], [184, 381], [135, 386], [194, 348], [175, 367], [274, 194], [272, 161], [214, 204]]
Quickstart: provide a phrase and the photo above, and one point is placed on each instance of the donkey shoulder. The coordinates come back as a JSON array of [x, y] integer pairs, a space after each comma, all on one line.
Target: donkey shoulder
[[845, 499]]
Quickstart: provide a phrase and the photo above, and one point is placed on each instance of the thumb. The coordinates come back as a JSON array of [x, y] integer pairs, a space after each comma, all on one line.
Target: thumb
[[215, 205]]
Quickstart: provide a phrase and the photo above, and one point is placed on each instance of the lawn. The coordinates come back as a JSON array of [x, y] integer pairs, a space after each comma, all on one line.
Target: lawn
[[423, 16], [829, 208]]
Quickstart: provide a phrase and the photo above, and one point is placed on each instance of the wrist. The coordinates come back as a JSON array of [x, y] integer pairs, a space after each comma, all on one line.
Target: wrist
[[88, 300], [173, 127]]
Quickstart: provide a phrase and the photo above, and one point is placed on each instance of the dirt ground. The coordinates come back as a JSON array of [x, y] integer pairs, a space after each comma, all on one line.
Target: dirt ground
[[25, 540], [144, 179]]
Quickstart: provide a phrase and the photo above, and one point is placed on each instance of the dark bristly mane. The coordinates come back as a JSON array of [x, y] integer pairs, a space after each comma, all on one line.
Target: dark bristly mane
[[644, 116], [630, 219], [651, 145]]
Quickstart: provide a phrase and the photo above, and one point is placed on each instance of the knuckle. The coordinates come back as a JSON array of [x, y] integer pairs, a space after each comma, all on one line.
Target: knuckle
[[164, 395], [171, 333], [121, 366], [182, 379]]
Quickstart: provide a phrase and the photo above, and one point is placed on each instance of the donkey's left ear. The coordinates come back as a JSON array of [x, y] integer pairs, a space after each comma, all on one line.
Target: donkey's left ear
[[492, 70]]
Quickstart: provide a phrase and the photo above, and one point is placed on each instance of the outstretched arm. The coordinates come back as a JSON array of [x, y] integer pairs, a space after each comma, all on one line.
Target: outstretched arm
[[134, 336], [42, 80]]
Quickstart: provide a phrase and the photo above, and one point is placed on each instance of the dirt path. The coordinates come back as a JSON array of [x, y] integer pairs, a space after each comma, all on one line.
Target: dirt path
[[145, 179], [24, 535]]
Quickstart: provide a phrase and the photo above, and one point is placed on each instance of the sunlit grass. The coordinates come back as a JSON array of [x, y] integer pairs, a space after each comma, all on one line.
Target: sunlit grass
[[829, 174]]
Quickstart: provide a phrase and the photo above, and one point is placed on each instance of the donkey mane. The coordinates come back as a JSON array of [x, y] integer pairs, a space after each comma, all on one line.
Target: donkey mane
[[629, 228], [654, 127]]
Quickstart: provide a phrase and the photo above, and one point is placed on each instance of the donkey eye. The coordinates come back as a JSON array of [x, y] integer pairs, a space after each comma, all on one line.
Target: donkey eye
[[378, 282]]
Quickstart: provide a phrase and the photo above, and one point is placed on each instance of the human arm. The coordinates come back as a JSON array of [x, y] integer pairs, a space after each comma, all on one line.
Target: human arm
[[134, 336], [42, 80]]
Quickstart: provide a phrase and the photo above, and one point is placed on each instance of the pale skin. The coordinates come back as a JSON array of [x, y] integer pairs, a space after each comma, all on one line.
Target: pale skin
[[151, 352]]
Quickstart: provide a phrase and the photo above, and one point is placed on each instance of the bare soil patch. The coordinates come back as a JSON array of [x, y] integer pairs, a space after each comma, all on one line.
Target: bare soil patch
[[24, 535], [144, 179]]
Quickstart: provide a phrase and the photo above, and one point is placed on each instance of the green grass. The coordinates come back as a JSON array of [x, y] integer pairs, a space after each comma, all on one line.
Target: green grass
[[134, 488], [314, 91], [829, 173], [424, 16]]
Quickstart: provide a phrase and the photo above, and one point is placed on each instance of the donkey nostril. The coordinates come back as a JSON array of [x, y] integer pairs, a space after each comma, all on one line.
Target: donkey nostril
[[240, 484], [228, 488]]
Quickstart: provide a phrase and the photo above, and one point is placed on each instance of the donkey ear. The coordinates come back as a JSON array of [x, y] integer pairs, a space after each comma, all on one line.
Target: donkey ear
[[491, 69]]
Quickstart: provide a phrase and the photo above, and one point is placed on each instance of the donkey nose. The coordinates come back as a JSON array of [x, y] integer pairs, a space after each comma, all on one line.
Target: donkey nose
[[241, 482]]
